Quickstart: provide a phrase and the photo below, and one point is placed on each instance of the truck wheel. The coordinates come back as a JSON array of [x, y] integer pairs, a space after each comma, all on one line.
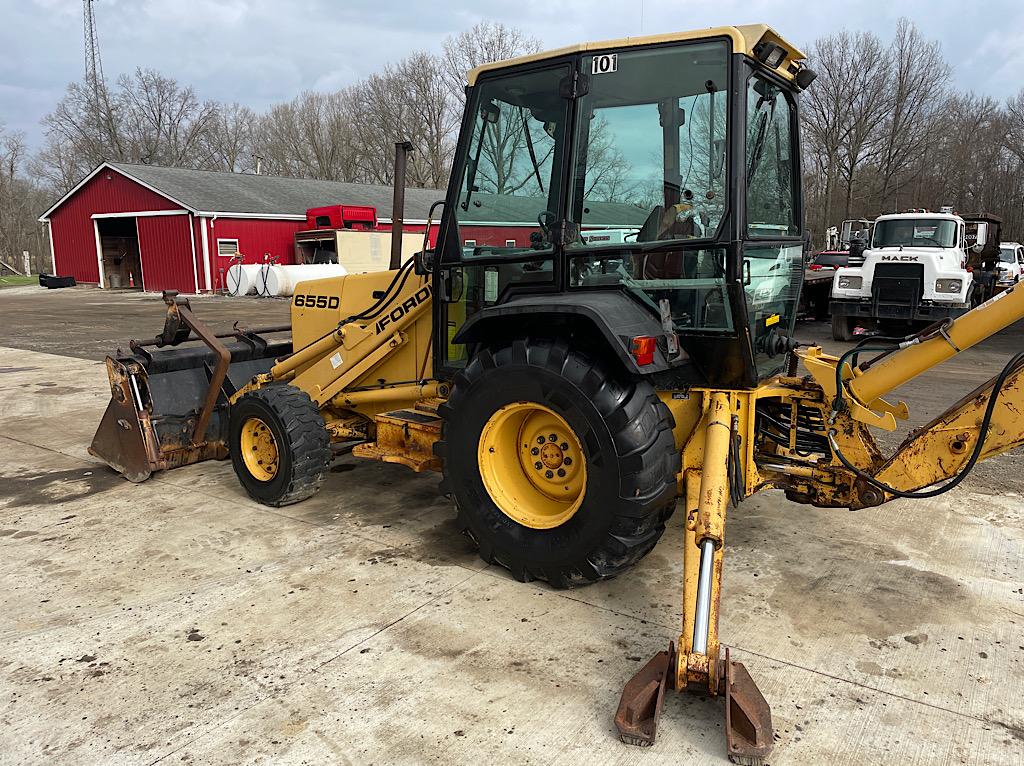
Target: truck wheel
[[561, 467], [841, 328], [279, 445]]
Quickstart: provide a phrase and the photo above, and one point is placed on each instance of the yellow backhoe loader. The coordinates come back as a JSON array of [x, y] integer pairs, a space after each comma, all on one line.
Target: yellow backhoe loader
[[621, 341]]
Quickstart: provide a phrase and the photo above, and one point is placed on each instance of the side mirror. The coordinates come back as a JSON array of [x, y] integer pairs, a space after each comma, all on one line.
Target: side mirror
[[980, 236], [424, 259], [423, 263]]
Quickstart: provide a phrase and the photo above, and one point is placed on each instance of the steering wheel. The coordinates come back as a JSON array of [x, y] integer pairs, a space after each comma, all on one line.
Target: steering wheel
[[545, 219]]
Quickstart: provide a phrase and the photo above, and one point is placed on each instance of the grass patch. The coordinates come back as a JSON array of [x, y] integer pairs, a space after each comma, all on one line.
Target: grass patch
[[13, 280]]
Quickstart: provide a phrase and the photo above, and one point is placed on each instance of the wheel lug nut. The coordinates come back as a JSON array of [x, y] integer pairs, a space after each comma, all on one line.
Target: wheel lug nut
[[548, 475], [563, 446], [535, 451], [561, 472], [567, 461], [540, 440], [538, 465]]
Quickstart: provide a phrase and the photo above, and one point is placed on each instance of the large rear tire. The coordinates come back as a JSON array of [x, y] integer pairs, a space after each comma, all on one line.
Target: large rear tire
[[279, 445], [581, 507]]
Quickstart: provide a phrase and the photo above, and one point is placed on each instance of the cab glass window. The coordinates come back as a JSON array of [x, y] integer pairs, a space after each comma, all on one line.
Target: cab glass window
[[772, 278], [510, 179], [771, 165], [650, 158]]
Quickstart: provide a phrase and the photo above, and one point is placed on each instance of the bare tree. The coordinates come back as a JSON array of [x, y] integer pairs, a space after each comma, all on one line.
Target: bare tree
[[487, 41], [163, 122], [21, 200], [917, 82], [229, 139], [406, 101]]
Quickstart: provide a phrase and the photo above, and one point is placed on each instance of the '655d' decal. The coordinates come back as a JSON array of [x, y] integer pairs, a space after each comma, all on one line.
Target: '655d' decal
[[316, 301], [423, 294]]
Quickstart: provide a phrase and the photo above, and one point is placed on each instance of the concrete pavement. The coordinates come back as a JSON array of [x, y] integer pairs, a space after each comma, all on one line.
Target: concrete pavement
[[177, 621]]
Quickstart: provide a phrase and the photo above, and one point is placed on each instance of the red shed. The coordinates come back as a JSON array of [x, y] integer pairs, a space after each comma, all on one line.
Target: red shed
[[158, 228]]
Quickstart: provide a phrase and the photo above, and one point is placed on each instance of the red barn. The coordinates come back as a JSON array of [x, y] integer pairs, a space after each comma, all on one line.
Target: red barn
[[156, 228]]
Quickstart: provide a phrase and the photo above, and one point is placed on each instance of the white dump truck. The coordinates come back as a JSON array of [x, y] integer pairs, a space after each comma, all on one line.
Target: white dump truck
[[919, 267]]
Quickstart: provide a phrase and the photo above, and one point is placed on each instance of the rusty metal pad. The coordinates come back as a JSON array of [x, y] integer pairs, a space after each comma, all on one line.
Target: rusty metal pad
[[642, 697], [748, 718]]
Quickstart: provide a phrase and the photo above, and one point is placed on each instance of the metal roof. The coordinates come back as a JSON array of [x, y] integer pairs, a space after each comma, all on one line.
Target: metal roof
[[208, 191], [744, 37]]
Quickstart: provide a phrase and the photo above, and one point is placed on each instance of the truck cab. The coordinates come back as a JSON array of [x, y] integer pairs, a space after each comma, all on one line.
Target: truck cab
[[915, 270], [1011, 265]]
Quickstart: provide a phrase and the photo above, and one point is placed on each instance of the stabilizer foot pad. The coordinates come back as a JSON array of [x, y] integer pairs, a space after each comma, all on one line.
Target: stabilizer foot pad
[[748, 718], [640, 704]]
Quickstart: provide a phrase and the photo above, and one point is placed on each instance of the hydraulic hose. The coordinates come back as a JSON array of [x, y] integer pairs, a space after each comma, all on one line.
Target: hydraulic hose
[[997, 386]]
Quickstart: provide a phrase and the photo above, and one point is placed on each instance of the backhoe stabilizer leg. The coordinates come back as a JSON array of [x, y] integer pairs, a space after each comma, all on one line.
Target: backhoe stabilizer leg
[[696, 666]]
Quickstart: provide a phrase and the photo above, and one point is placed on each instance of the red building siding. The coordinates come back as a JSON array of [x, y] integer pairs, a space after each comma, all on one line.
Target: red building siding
[[166, 253], [256, 237], [74, 238]]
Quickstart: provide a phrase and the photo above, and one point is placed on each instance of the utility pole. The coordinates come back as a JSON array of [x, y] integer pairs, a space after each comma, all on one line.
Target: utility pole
[[93, 64]]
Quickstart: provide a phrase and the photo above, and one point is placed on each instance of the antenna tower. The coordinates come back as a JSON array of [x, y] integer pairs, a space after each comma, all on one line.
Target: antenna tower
[[93, 65]]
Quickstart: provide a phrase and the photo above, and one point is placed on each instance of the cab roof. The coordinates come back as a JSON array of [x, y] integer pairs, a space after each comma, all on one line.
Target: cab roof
[[744, 38]]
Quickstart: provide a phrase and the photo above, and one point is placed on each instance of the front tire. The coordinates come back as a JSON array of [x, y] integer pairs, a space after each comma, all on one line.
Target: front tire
[[279, 445], [566, 522], [841, 328]]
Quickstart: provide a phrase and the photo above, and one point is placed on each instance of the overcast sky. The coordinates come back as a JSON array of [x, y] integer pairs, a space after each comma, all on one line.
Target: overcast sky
[[261, 51]]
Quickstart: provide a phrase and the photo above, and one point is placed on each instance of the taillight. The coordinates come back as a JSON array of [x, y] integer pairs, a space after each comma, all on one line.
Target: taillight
[[643, 349], [815, 267]]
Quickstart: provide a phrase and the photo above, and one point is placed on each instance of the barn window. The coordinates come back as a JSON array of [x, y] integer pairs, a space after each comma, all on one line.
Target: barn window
[[510, 243], [470, 243], [227, 247]]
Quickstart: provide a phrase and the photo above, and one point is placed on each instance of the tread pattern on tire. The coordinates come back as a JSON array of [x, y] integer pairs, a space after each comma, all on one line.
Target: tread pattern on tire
[[640, 425], [307, 441]]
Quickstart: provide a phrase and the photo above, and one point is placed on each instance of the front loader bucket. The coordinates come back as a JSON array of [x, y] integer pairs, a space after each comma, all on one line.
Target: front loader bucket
[[169, 408]]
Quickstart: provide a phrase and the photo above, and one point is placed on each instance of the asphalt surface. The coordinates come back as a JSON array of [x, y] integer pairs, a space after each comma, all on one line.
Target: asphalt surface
[[88, 323]]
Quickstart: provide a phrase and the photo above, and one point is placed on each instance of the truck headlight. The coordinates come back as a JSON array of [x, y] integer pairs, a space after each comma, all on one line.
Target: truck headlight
[[850, 283], [948, 285]]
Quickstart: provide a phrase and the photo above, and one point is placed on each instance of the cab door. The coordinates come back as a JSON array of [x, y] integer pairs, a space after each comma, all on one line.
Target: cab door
[[505, 203]]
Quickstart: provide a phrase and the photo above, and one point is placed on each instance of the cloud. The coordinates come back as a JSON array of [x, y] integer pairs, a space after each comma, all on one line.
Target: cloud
[[259, 52]]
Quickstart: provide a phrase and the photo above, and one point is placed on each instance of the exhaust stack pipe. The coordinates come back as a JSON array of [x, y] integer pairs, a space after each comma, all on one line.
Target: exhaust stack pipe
[[402, 151]]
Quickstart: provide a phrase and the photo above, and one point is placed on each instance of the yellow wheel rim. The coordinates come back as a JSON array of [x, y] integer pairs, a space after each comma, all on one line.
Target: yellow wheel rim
[[259, 449], [532, 465]]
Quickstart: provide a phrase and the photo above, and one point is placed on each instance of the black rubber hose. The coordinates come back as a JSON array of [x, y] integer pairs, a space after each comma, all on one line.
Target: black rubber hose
[[997, 387]]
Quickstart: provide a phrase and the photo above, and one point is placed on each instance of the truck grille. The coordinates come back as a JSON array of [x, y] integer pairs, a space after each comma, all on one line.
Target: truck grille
[[901, 283]]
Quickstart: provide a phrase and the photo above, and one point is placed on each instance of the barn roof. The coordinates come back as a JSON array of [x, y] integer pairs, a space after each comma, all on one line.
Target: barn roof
[[208, 191]]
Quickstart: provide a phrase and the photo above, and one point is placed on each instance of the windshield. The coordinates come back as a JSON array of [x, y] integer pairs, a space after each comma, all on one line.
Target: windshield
[[915, 232], [650, 153], [831, 259], [1007, 255]]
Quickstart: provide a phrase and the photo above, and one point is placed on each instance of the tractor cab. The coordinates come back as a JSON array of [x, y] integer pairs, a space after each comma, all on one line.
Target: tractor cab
[[644, 192]]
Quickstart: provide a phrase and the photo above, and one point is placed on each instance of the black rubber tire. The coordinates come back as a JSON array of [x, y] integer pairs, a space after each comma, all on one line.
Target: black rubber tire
[[841, 329], [626, 432], [303, 444]]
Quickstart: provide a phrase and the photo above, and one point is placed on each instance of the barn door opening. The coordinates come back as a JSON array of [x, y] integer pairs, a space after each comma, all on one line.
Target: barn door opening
[[118, 242]]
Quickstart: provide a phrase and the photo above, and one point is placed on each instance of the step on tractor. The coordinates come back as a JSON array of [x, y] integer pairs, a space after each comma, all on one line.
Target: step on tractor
[[572, 389]]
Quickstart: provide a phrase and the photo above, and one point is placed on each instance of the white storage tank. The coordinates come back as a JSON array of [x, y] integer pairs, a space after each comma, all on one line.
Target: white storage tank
[[241, 278], [281, 280]]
